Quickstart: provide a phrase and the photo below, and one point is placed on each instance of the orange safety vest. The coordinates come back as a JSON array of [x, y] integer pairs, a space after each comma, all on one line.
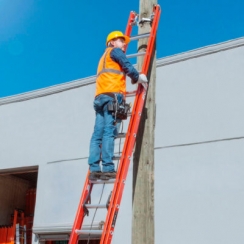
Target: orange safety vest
[[110, 76]]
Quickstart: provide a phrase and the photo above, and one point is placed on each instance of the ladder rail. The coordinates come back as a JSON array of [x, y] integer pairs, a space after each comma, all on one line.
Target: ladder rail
[[80, 214], [150, 46], [122, 173], [129, 142], [130, 24]]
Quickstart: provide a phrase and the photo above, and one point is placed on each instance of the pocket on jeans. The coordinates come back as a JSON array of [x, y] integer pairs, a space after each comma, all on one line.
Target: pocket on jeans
[[96, 104]]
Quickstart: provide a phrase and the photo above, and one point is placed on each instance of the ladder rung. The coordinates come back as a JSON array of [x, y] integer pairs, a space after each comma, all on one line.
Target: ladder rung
[[135, 54], [116, 157], [121, 135], [89, 232], [102, 181], [95, 205], [131, 93], [137, 37]]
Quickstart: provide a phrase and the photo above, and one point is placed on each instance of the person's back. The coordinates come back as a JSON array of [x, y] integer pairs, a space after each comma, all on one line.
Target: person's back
[[110, 75]]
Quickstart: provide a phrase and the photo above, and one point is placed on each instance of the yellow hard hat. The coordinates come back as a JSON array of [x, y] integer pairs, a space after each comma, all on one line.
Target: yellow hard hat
[[115, 34]]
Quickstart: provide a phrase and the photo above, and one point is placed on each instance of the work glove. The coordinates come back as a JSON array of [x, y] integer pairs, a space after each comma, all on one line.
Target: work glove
[[143, 80]]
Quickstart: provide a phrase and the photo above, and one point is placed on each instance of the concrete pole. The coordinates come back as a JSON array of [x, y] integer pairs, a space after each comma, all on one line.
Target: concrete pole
[[143, 161]]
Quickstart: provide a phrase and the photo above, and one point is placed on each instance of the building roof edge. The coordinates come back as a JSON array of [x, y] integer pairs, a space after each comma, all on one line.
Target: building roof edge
[[207, 50]]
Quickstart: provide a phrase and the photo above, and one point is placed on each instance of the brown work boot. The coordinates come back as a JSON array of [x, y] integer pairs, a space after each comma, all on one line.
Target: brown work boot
[[95, 175], [108, 175]]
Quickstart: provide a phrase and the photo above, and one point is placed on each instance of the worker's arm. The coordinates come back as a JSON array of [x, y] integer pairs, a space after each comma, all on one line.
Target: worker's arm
[[118, 56]]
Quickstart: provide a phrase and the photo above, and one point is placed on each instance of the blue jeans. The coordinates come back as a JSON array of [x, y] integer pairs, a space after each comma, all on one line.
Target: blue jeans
[[102, 141]]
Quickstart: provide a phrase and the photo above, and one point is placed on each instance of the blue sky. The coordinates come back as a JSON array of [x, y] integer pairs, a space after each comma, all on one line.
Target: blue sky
[[49, 42]]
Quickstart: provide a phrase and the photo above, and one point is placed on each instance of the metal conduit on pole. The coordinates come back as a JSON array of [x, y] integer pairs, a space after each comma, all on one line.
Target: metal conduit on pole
[[143, 166]]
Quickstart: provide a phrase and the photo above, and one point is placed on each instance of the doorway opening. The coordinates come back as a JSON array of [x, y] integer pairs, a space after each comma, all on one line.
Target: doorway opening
[[17, 205]]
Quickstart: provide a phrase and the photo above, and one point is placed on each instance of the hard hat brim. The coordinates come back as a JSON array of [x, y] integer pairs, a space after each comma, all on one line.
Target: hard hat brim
[[126, 38]]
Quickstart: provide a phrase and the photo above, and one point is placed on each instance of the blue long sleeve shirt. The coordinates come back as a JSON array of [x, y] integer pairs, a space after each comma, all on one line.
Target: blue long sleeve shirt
[[118, 56]]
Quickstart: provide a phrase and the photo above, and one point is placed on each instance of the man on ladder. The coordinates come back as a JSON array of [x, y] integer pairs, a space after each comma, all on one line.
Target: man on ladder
[[110, 93]]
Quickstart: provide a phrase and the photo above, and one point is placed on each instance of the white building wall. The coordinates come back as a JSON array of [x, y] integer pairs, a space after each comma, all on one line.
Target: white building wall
[[199, 142], [199, 180]]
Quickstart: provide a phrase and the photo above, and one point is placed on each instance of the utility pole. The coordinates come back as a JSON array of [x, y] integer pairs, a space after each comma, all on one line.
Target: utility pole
[[143, 161]]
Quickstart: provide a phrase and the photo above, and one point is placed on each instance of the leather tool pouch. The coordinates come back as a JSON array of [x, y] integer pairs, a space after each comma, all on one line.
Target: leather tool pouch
[[120, 111]]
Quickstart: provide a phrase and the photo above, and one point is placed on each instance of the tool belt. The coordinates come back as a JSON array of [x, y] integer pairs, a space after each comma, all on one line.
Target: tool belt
[[119, 110]]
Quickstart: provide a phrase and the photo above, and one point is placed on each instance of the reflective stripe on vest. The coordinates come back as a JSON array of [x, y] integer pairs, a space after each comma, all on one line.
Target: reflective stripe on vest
[[115, 71]]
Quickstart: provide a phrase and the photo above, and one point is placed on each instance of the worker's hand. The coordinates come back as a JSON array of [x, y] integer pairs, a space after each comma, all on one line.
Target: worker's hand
[[143, 80]]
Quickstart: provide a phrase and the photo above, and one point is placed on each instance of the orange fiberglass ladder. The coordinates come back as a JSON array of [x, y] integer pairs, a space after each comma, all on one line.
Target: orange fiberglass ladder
[[113, 204]]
